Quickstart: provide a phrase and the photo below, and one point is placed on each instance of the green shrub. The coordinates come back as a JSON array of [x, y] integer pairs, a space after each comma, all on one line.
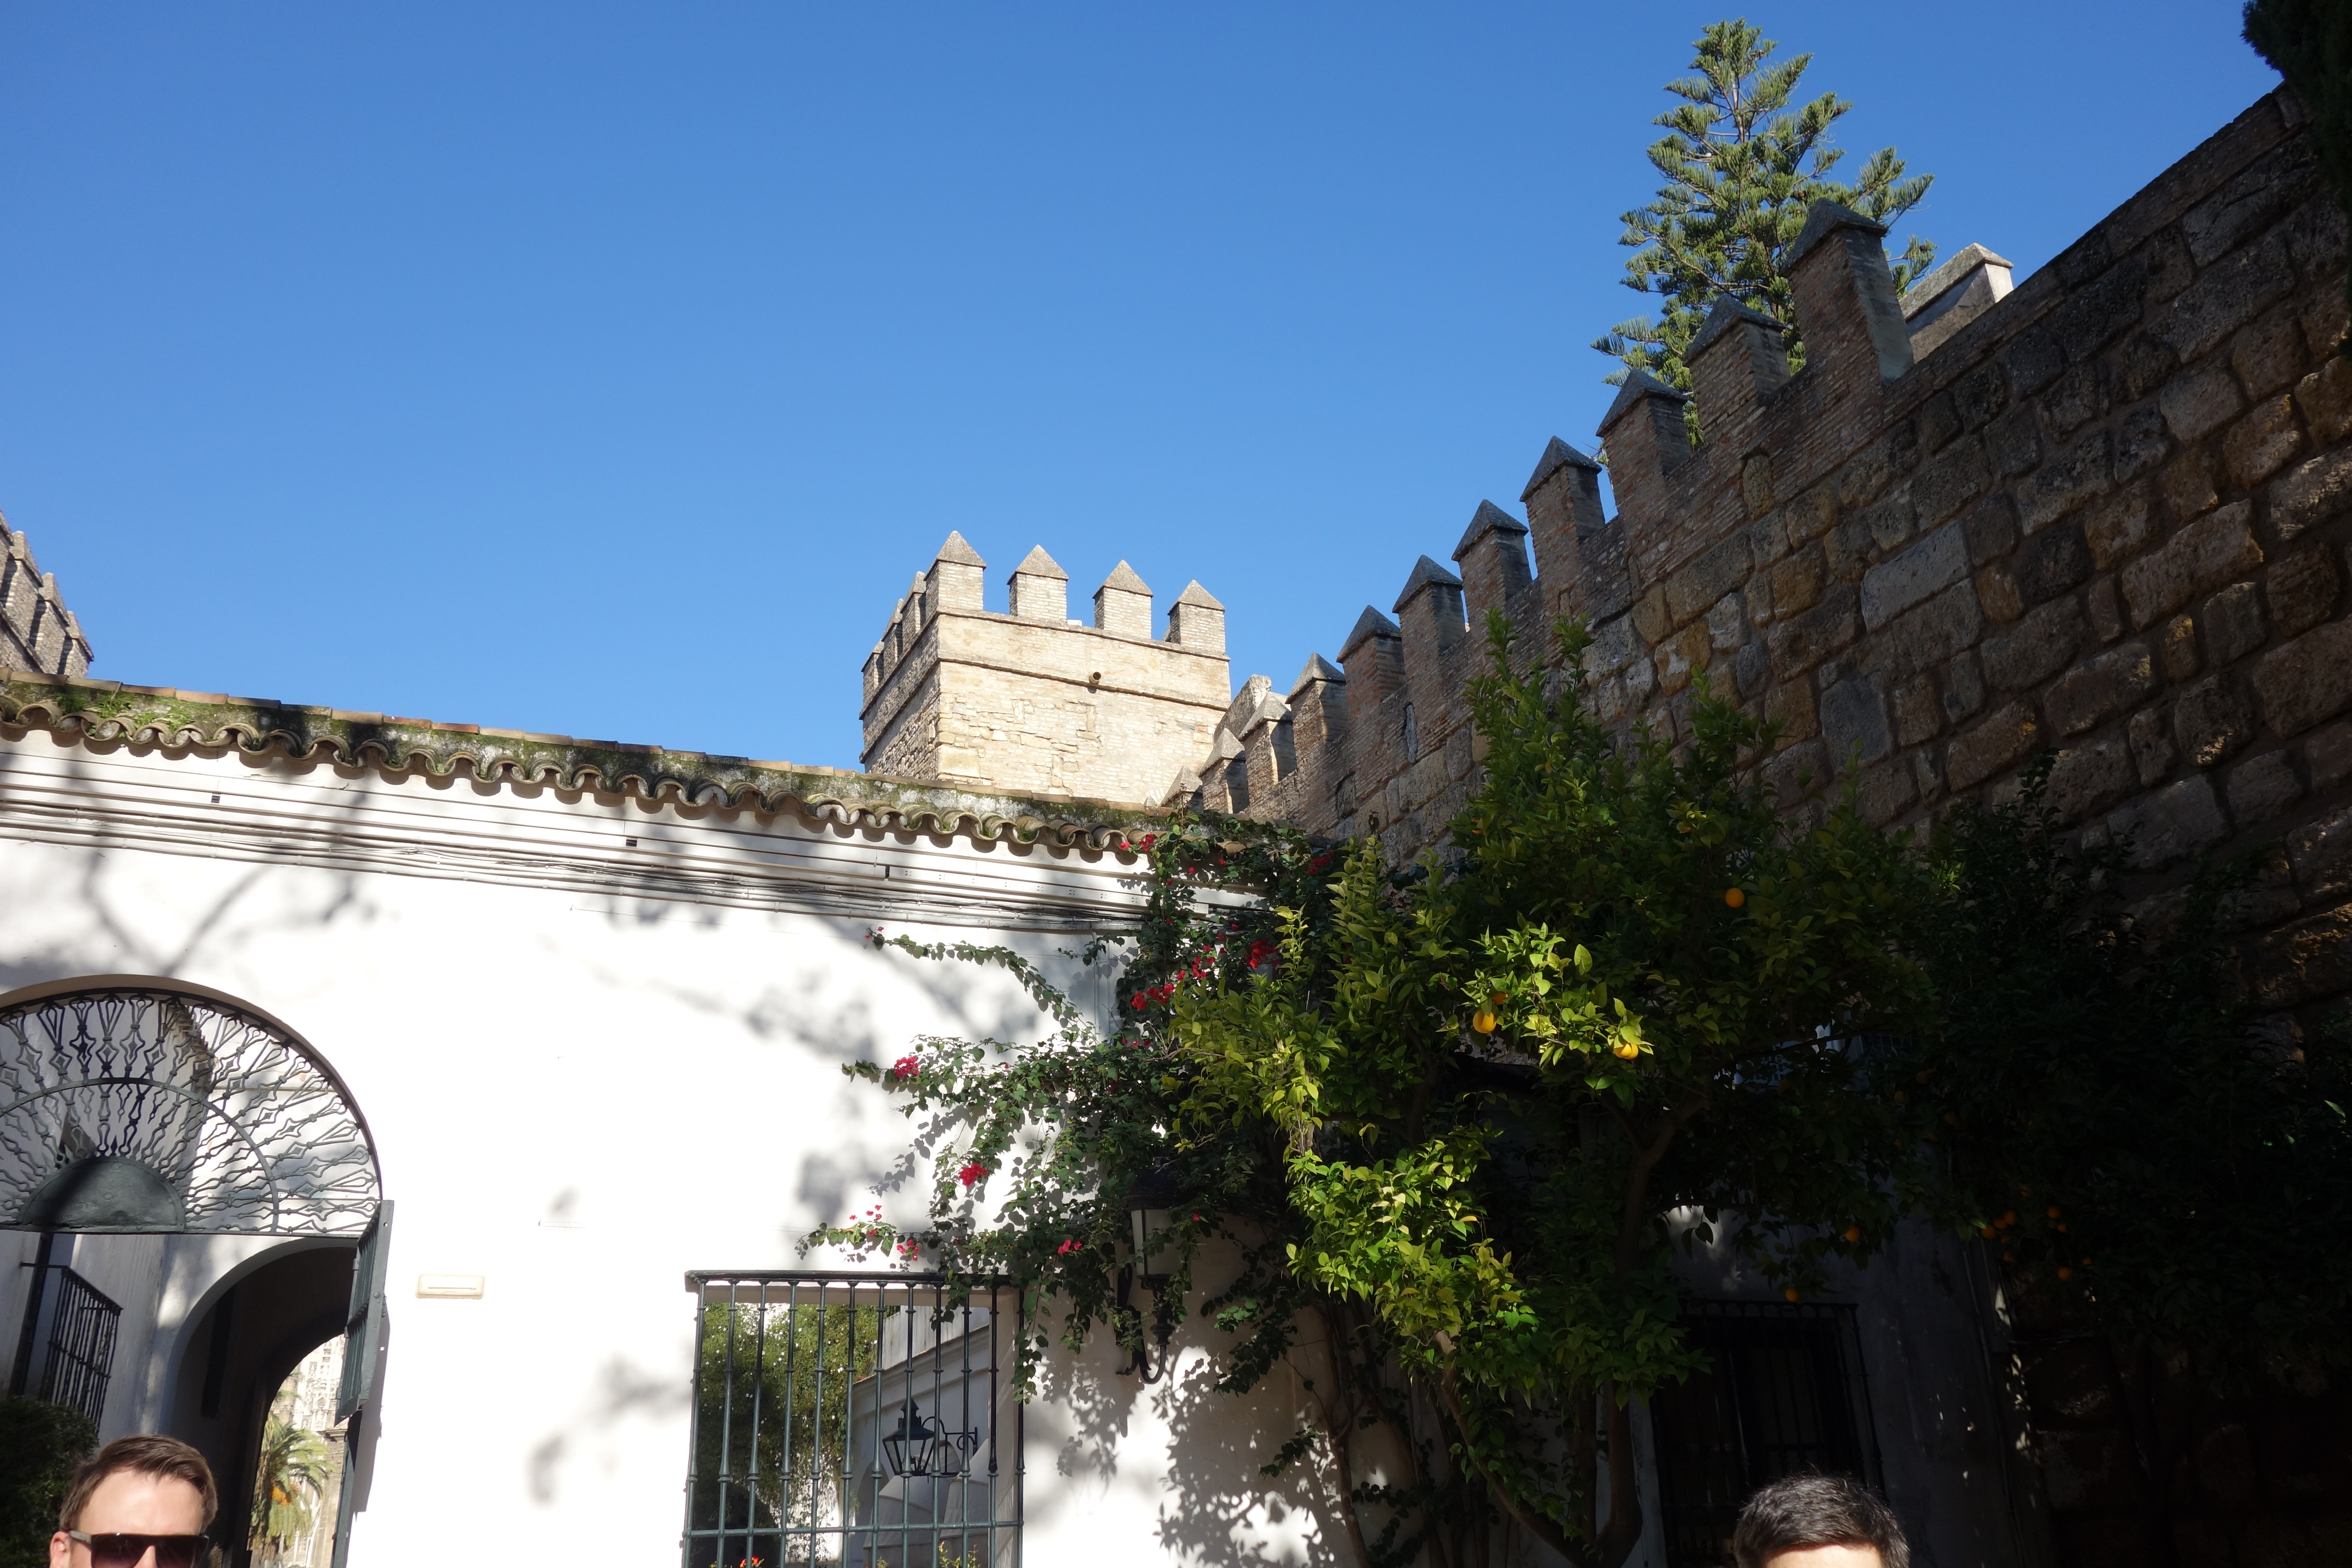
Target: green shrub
[[40, 1443]]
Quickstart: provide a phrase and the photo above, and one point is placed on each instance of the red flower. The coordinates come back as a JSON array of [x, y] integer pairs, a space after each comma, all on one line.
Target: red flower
[[972, 1173], [1065, 1249], [904, 1069], [1136, 1000]]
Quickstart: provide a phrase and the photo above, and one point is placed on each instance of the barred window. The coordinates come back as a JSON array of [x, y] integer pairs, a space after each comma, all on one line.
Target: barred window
[[1785, 1393]]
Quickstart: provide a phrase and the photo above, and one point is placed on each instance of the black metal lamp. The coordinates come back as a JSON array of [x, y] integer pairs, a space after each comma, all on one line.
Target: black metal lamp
[[1151, 1256], [909, 1448]]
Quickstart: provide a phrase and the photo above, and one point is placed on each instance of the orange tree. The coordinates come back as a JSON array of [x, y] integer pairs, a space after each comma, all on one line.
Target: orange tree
[[1637, 1003]]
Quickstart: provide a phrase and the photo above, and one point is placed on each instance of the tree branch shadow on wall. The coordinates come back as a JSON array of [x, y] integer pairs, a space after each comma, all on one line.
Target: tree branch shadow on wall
[[1214, 1504], [622, 1392]]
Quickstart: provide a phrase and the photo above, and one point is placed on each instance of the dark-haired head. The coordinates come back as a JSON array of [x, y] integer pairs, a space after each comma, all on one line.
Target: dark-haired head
[[1817, 1513]]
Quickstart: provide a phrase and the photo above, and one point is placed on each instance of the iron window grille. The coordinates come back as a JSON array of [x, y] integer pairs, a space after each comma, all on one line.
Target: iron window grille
[[1785, 1393], [852, 1420], [80, 1361]]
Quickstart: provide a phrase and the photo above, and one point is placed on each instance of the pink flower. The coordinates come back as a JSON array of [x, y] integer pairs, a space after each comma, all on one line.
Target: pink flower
[[904, 1070], [972, 1173]]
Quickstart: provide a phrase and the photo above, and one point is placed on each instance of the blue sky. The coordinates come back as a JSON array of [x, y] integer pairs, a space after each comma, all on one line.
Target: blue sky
[[610, 369]]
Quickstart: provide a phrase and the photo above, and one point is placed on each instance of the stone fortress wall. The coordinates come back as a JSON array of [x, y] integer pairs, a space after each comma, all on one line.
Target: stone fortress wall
[[38, 633], [2105, 513], [1032, 701]]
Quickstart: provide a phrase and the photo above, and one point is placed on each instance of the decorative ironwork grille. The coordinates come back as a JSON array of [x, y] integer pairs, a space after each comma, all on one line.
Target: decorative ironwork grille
[[1786, 1392], [80, 1359], [852, 1420], [154, 1108]]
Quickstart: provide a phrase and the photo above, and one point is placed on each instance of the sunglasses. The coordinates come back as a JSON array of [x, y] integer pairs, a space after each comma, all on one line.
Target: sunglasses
[[118, 1550]]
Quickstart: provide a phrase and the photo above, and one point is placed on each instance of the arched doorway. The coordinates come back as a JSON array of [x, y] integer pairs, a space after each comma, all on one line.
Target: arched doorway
[[139, 1106]]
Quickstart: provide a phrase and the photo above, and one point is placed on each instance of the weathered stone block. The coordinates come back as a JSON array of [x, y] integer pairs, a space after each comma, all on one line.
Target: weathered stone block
[[1950, 482], [1716, 572], [2035, 360], [1992, 526], [1884, 791], [2211, 719], [1964, 686], [1980, 395], [2013, 442], [2103, 605], [1613, 648], [1751, 668], [2269, 355], [2262, 443], [2035, 649], [2144, 364], [1801, 642], [2234, 624], [2170, 825], [1879, 464], [1928, 567], [2307, 681], [2326, 398], [1888, 521], [1727, 622], [2140, 443], [1790, 705], [2053, 562], [2151, 748], [2315, 238], [1998, 591], [2100, 309], [2311, 492], [1768, 539], [2179, 641], [2002, 739], [1847, 550], [2067, 481], [2192, 483], [2226, 296], [1939, 423], [1927, 636], [1853, 721], [1796, 771], [2076, 398], [2119, 527], [2198, 559], [1918, 710], [2261, 194], [2262, 786], [2091, 778], [2195, 406], [2310, 959], [1797, 581], [1681, 657], [2320, 854], [2327, 755], [2092, 693]]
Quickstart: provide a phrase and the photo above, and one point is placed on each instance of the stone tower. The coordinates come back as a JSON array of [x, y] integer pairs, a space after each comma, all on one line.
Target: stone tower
[[38, 633], [1030, 701]]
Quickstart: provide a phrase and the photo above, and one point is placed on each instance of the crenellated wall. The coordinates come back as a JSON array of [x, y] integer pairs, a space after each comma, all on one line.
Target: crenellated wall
[[38, 633], [2108, 513], [2104, 512], [1031, 702]]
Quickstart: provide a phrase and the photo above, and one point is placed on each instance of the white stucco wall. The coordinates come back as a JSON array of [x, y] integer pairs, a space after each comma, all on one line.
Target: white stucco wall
[[580, 1093]]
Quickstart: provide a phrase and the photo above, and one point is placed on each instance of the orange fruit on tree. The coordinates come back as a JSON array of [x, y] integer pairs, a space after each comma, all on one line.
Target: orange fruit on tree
[[2066, 1273], [1734, 897], [1625, 1050], [2053, 1211], [1854, 1233], [1483, 1020], [1791, 1293]]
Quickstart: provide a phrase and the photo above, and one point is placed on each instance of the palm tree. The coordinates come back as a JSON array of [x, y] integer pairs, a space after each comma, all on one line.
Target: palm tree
[[294, 1469]]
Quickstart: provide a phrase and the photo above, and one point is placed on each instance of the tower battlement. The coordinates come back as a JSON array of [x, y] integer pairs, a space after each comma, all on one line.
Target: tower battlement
[[38, 633], [1029, 700]]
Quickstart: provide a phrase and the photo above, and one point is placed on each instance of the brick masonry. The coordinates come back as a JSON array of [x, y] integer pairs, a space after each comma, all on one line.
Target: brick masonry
[[38, 633]]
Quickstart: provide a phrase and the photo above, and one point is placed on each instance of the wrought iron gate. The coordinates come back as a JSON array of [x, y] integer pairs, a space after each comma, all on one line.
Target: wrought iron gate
[[852, 1420]]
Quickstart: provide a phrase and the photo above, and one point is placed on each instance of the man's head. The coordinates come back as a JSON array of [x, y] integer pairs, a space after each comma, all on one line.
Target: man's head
[[134, 1486], [1818, 1522]]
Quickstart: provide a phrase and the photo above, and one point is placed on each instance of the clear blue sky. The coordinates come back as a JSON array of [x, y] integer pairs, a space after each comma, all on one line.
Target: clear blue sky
[[610, 369]]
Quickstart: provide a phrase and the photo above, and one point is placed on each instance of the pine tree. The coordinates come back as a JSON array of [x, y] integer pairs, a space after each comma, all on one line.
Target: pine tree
[[1742, 167]]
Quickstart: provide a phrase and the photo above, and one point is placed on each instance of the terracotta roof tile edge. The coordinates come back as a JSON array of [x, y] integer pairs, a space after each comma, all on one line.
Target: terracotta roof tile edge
[[108, 711]]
